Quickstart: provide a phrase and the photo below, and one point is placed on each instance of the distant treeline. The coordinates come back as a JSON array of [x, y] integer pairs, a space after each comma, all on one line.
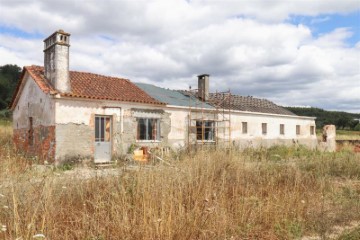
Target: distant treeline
[[342, 120], [9, 76]]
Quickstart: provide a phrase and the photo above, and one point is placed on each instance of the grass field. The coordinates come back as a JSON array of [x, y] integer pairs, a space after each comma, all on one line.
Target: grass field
[[342, 134], [278, 193], [347, 135]]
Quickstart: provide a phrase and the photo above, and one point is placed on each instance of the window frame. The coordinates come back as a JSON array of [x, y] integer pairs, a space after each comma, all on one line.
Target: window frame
[[146, 136], [298, 129], [264, 128], [205, 132], [244, 127], [312, 130], [282, 129]]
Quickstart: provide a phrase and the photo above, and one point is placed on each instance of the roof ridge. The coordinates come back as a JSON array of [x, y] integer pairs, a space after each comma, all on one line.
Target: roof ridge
[[84, 72], [169, 89]]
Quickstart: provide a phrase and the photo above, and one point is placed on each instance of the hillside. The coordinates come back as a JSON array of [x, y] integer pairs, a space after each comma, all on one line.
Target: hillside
[[342, 120], [9, 76]]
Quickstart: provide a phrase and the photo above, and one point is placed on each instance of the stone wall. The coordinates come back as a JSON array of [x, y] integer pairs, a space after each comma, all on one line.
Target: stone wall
[[328, 142], [39, 142]]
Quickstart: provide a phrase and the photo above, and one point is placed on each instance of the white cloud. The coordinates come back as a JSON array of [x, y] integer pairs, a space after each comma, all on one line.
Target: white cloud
[[244, 45]]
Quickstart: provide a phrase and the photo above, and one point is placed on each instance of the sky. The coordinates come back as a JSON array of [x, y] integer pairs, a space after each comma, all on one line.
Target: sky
[[294, 53]]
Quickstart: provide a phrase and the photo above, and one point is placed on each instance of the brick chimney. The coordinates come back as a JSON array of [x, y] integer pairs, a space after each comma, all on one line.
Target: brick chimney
[[203, 86], [56, 60]]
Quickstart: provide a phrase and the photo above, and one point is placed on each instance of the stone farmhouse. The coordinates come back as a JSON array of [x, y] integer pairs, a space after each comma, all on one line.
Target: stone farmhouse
[[60, 114]]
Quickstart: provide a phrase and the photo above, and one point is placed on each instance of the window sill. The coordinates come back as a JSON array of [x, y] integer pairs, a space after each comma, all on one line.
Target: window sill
[[205, 141], [148, 141]]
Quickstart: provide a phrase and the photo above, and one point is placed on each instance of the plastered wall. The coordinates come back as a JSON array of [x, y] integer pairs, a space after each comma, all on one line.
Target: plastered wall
[[38, 140], [75, 126], [64, 127], [255, 138]]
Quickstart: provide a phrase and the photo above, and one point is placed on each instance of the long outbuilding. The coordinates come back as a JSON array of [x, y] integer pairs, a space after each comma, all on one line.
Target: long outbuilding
[[61, 115]]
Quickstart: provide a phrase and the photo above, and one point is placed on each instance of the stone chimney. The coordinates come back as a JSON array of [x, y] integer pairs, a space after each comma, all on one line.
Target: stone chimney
[[56, 60], [203, 86]]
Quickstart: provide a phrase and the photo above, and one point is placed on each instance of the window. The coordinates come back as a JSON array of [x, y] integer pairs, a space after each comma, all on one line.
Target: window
[[31, 132], [244, 127], [264, 128], [312, 130], [282, 129], [297, 129], [148, 129], [205, 130], [102, 129]]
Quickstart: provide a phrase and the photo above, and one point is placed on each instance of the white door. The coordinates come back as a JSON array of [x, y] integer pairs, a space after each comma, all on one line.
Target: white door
[[102, 139]]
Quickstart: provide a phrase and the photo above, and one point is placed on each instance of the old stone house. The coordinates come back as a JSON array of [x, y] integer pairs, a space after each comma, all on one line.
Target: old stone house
[[60, 114]]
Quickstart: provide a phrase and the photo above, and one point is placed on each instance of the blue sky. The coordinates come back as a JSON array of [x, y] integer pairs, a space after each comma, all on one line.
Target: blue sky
[[295, 53], [325, 23]]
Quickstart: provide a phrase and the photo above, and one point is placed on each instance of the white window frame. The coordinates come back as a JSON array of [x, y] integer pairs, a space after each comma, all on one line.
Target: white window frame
[[148, 138]]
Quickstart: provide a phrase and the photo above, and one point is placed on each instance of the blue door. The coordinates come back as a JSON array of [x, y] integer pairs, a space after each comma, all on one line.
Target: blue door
[[102, 139]]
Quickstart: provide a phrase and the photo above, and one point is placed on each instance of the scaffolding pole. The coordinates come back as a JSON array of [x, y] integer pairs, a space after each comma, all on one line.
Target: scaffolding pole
[[204, 129]]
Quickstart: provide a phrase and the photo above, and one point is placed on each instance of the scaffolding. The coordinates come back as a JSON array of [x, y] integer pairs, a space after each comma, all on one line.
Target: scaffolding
[[209, 122]]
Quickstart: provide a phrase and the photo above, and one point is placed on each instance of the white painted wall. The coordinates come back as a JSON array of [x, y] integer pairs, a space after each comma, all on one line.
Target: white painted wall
[[33, 102], [254, 122], [178, 129]]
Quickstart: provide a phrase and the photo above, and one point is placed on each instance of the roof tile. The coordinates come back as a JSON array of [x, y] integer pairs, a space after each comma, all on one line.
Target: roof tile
[[249, 104], [95, 86]]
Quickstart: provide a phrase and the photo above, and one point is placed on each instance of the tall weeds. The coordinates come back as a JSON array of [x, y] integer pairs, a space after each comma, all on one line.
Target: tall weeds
[[280, 193]]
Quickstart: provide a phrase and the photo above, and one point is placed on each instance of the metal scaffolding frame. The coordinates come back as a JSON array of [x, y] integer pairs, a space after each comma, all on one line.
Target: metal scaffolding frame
[[200, 115]]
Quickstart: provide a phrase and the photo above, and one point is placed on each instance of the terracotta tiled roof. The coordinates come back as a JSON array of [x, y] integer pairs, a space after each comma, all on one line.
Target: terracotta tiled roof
[[249, 104], [92, 86], [37, 73]]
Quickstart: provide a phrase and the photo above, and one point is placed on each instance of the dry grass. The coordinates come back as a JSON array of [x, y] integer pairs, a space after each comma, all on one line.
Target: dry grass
[[281, 193], [347, 135], [341, 135]]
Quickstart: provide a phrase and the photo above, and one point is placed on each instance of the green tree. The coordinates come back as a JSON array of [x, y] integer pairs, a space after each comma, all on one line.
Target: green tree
[[9, 77], [340, 119]]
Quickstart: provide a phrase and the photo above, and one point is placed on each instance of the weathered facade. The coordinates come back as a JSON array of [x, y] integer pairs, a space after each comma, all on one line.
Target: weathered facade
[[238, 122], [60, 114]]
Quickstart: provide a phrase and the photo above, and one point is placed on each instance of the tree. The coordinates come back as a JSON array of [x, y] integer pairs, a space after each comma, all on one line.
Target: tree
[[9, 77], [340, 119]]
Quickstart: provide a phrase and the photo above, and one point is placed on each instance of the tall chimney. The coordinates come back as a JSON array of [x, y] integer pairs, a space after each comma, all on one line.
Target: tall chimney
[[56, 60], [203, 86]]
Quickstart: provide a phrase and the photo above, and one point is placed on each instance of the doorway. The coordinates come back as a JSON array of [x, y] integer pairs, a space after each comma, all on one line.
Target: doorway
[[102, 139]]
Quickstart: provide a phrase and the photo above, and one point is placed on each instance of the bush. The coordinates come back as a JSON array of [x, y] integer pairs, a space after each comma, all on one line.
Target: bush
[[5, 114]]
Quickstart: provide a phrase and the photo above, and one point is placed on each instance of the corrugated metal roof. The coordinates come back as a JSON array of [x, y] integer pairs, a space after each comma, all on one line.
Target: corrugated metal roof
[[172, 97]]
